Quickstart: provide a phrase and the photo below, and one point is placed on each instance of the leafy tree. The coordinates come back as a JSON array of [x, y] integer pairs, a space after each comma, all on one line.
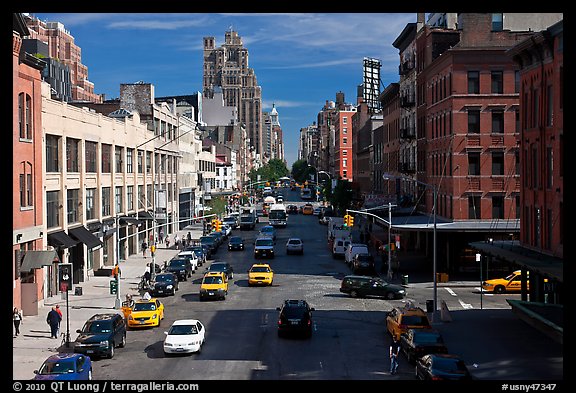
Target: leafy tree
[[301, 171], [272, 171], [341, 197]]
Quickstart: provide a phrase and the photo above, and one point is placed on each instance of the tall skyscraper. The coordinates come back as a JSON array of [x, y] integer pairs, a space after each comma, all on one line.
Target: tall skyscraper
[[227, 66]]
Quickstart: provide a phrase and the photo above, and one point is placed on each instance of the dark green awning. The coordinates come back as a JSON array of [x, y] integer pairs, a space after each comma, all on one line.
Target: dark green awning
[[38, 259]]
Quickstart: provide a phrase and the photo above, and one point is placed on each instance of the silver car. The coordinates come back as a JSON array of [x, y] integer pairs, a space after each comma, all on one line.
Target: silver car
[[294, 245]]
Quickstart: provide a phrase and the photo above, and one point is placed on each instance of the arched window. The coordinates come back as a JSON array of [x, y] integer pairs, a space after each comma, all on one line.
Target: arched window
[[26, 185], [25, 116]]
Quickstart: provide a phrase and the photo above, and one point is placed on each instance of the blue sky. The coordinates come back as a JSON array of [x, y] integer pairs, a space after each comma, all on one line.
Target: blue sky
[[300, 59]]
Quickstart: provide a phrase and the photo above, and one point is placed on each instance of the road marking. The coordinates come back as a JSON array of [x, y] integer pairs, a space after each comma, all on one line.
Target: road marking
[[464, 305], [484, 292], [451, 292]]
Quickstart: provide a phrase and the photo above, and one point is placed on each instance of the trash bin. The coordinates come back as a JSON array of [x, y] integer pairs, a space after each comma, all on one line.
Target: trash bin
[[78, 291], [405, 279], [430, 306]]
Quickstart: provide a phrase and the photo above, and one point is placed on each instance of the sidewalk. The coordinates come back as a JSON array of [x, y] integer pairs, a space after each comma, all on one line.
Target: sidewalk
[[34, 344]]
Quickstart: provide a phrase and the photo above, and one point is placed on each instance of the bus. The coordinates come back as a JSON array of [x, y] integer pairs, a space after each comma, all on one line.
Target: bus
[[277, 215]]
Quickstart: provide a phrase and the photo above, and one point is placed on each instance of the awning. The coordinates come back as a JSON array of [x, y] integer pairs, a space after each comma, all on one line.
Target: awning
[[61, 240], [144, 216], [130, 221], [37, 259], [83, 235]]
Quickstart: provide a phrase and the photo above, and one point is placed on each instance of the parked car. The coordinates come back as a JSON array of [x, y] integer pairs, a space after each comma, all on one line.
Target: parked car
[[416, 343], [260, 274], [219, 236], [227, 229], [400, 319], [65, 366], [100, 335], [235, 243], [184, 336], [200, 253], [294, 245], [364, 264], [214, 286], [223, 267], [352, 250], [367, 286], [339, 247], [165, 284], [292, 209], [181, 267], [441, 366], [211, 242], [295, 317], [191, 256]]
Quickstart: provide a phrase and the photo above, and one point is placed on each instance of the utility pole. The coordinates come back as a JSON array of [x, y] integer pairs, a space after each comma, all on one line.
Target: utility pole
[[389, 274]]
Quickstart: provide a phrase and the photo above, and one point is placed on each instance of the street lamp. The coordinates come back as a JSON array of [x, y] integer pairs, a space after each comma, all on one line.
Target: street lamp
[[387, 176]]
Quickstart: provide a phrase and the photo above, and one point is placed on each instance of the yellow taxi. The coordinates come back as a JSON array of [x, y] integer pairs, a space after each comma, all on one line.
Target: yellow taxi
[[214, 286], [400, 319], [510, 283], [308, 209], [260, 274], [144, 313]]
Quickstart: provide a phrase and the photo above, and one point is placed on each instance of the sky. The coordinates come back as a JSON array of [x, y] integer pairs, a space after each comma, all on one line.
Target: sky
[[300, 59]]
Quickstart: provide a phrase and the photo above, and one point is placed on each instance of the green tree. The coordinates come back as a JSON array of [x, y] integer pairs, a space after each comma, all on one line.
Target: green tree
[[341, 197], [272, 171], [301, 171]]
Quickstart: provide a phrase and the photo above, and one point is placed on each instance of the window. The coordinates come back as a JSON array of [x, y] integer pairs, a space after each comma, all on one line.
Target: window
[[72, 205], [498, 121], [344, 120], [344, 152], [535, 107], [345, 162], [106, 158], [141, 198], [148, 162], [550, 167], [473, 121], [474, 164], [118, 199], [118, 159], [516, 81], [517, 161], [550, 107], [498, 163], [497, 206], [140, 160], [497, 22], [26, 185], [25, 116], [130, 197], [105, 201], [473, 82], [344, 174], [517, 199], [534, 166], [52, 153], [497, 82], [345, 130], [90, 203], [52, 209], [344, 141], [72, 146], [517, 115], [91, 149], [129, 161]]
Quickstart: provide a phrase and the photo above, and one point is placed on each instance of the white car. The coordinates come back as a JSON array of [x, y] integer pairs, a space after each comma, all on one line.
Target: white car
[[192, 257], [339, 247], [294, 245], [184, 336], [227, 229]]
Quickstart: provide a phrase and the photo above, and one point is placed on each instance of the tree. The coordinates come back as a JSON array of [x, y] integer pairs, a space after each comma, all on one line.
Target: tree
[[272, 171], [341, 197], [301, 171]]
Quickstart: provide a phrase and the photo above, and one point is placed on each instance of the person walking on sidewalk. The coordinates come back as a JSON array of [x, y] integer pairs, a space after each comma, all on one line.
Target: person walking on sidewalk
[[394, 352], [17, 316], [53, 319], [144, 248], [59, 313]]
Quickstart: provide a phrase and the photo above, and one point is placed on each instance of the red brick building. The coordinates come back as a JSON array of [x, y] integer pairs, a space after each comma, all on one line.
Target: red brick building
[[27, 175]]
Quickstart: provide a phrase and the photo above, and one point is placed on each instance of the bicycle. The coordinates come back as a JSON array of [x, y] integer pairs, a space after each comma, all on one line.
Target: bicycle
[[65, 339]]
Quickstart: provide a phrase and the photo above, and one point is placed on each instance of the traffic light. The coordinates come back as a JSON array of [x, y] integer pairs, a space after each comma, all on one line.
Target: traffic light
[[217, 224], [65, 277], [350, 221], [346, 220]]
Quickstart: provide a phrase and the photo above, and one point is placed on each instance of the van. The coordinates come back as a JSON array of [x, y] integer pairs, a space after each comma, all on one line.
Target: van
[[339, 247], [352, 250]]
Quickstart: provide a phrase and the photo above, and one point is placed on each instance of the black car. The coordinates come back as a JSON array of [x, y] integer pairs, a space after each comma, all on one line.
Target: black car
[[223, 267], [181, 267], [364, 264], [200, 252], [419, 342], [211, 242], [219, 235], [295, 317], [165, 284], [235, 243], [441, 366], [100, 335], [292, 209], [364, 286]]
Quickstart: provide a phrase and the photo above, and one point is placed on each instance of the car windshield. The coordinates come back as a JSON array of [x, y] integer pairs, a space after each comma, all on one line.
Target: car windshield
[[177, 263], [97, 327], [212, 280], [165, 277], [294, 241], [60, 367], [264, 242], [217, 267], [181, 330], [449, 365], [428, 338], [260, 269], [235, 240], [294, 312], [415, 320], [144, 307]]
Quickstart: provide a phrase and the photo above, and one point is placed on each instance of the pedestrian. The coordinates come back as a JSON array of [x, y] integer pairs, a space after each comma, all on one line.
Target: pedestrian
[[394, 352], [161, 235], [144, 248], [116, 272], [189, 238], [53, 319], [17, 316], [176, 241], [168, 241], [59, 313]]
